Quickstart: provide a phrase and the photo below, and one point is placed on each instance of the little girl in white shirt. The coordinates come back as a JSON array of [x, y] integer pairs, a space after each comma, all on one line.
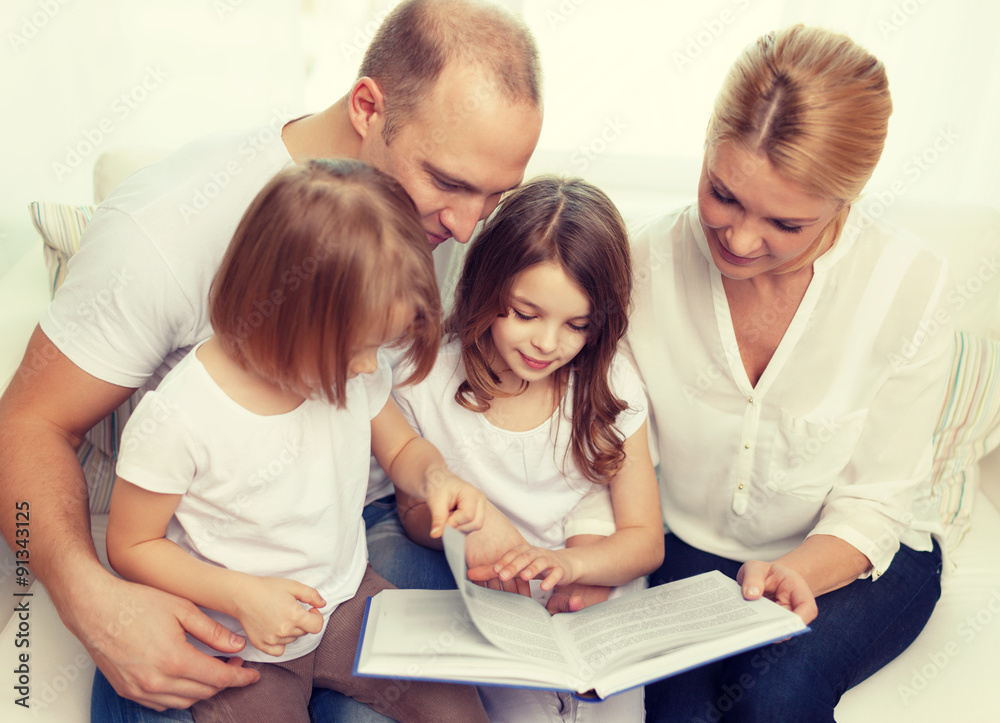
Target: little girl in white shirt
[[242, 478], [529, 401]]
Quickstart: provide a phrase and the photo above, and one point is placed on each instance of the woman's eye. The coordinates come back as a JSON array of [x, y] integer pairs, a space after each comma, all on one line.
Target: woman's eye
[[522, 317], [720, 198], [786, 228], [578, 327]]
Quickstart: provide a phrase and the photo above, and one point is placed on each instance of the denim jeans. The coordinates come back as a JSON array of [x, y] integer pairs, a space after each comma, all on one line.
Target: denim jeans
[[392, 555], [860, 628]]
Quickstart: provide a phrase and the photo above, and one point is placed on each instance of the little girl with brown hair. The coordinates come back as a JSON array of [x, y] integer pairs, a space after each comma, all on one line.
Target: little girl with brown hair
[[242, 477], [530, 402]]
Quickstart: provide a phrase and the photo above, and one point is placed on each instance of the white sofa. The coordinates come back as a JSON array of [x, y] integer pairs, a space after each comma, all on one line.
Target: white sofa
[[945, 675]]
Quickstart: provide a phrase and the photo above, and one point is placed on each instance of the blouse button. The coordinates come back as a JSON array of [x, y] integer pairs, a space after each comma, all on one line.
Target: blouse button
[[746, 446]]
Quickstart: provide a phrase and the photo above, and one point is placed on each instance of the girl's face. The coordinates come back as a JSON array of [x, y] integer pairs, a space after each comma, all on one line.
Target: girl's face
[[546, 326], [364, 355], [755, 221]]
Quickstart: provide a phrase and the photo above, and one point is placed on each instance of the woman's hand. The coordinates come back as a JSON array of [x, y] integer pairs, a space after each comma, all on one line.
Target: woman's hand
[[779, 583], [270, 611]]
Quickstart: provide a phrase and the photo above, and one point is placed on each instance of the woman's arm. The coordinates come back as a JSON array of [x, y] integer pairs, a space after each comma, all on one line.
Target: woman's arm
[[633, 550], [268, 608]]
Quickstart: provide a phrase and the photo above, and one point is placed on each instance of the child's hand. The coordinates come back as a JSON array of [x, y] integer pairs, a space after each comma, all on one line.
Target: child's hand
[[268, 609], [454, 502], [529, 562]]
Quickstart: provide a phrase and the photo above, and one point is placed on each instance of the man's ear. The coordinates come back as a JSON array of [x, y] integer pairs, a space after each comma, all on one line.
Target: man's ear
[[366, 107]]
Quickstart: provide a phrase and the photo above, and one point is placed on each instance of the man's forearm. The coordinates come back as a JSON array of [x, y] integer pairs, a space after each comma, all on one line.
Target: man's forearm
[[39, 467]]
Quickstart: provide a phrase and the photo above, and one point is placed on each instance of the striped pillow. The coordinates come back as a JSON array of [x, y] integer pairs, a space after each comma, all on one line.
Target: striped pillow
[[968, 429], [60, 226]]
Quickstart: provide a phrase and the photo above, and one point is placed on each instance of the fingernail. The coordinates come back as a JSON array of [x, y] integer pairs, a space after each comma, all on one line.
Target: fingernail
[[753, 591]]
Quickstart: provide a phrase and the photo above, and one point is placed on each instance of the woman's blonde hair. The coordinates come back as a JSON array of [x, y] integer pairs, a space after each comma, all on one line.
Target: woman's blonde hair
[[816, 105]]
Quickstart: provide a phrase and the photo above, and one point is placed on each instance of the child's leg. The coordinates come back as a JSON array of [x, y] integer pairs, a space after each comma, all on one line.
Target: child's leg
[[404, 700], [281, 694], [527, 705]]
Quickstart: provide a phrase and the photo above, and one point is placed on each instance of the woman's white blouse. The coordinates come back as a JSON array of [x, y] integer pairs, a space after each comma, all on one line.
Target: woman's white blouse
[[835, 438]]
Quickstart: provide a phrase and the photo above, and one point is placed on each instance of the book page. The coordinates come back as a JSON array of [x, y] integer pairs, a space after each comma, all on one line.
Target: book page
[[514, 623], [428, 635], [667, 617]]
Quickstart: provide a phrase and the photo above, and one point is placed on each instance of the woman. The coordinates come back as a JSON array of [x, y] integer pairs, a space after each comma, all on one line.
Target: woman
[[794, 383]]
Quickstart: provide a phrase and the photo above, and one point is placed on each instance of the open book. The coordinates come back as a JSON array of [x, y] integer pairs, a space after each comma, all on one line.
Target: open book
[[477, 635]]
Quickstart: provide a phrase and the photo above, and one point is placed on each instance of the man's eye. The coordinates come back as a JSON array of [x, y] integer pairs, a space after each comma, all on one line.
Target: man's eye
[[445, 186]]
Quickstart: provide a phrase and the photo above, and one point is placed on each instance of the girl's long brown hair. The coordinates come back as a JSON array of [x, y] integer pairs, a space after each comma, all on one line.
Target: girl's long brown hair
[[574, 224]]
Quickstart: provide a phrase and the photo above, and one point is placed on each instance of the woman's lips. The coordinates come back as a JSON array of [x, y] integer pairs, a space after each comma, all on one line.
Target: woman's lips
[[733, 258]]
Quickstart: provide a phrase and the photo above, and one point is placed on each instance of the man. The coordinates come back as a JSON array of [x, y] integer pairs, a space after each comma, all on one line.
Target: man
[[447, 101]]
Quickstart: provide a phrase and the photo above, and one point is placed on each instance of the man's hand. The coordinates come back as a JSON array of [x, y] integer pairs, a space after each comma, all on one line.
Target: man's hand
[[487, 545], [779, 583], [136, 635]]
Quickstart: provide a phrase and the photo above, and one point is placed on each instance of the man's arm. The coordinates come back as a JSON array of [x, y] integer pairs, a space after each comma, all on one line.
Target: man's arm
[[134, 633]]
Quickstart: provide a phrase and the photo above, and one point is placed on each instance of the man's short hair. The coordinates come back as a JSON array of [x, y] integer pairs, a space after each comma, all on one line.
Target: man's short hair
[[419, 37]]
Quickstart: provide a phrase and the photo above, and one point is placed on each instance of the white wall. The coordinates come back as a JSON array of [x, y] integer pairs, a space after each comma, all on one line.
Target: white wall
[[628, 84], [82, 76]]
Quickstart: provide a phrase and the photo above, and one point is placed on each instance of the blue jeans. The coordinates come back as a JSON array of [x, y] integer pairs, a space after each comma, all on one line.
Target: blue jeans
[[392, 555], [860, 628]]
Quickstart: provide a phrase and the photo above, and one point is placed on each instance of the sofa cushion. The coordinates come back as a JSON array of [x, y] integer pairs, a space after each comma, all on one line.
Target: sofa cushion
[[968, 429], [60, 226]]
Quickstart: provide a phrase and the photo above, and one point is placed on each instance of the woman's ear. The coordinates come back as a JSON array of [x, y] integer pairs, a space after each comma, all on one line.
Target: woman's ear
[[366, 107]]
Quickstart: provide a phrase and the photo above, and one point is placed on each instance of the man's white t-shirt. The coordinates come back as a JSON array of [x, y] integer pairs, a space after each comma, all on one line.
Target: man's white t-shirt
[[135, 298], [276, 496]]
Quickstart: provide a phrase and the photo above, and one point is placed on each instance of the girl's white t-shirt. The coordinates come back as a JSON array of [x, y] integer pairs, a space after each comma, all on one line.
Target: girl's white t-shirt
[[275, 496], [530, 476]]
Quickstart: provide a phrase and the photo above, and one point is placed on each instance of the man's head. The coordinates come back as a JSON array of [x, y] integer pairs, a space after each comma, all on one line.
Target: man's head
[[449, 102]]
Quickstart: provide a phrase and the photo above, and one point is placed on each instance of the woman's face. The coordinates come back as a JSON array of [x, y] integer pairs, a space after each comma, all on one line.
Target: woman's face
[[755, 220]]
